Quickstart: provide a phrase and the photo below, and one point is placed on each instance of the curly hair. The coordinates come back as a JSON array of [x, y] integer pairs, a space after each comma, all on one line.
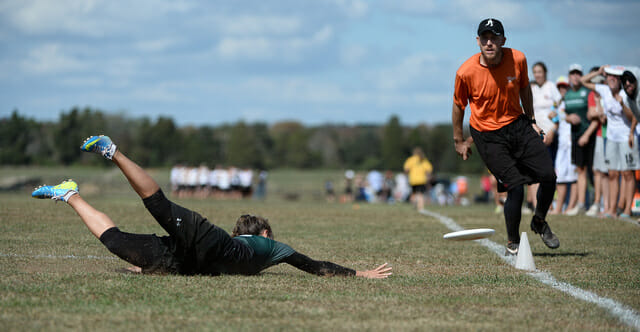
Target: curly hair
[[251, 225]]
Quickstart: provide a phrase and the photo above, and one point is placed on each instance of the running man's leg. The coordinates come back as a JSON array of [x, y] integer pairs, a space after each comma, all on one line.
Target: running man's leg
[[513, 212]]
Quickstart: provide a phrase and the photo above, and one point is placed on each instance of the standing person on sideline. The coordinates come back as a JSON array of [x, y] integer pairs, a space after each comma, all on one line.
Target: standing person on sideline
[[419, 170], [621, 151], [577, 106], [545, 97], [194, 245], [566, 175], [493, 83], [630, 84], [600, 168]]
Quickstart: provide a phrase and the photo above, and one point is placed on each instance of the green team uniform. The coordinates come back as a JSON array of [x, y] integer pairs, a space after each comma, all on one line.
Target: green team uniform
[[196, 246], [266, 253], [577, 102]]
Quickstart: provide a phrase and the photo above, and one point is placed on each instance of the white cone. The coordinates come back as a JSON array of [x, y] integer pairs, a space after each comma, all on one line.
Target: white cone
[[524, 261]]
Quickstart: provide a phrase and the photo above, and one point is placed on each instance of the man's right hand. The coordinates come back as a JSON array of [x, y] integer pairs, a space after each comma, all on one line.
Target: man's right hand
[[463, 147]]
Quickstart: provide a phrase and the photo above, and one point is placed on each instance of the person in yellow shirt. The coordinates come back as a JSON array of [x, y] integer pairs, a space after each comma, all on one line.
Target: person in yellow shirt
[[418, 169]]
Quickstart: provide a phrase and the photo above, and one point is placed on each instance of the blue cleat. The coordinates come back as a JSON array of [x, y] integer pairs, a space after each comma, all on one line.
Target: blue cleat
[[60, 192], [99, 144]]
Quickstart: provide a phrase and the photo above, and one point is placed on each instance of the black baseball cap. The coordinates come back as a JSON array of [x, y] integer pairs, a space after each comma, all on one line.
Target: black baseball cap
[[491, 24]]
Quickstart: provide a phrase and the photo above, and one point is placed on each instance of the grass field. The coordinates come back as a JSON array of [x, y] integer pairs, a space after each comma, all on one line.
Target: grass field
[[437, 285]]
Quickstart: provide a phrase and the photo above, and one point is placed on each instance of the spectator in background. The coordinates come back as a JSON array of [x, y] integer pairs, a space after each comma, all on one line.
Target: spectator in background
[[621, 147], [600, 168], [419, 170], [330, 194], [576, 108], [545, 97], [347, 197], [261, 187], [498, 197], [402, 189], [246, 182], [630, 84], [389, 183], [375, 180], [565, 169]]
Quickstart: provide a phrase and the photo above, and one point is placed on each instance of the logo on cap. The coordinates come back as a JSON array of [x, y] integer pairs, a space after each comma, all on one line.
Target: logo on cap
[[491, 24]]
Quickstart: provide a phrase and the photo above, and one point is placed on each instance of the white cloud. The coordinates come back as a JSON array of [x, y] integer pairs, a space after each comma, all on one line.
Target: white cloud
[[411, 69], [353, 8], [598, 13], [352, 54], [466, 11], [93, 18], [263, 48], [154, 45], [421, 7], [50, 59], [251, 25]]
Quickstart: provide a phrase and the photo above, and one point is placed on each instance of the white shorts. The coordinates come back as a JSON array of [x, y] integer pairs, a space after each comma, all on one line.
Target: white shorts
[[621, 157], [565, 170], [599, 157]]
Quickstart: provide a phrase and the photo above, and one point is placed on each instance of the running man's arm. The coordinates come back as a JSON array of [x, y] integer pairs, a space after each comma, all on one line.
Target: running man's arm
[[463, 147], [323, 268], [526, 97]]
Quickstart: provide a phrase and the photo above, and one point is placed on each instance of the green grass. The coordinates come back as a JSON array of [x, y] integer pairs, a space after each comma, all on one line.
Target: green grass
[[436, 284]]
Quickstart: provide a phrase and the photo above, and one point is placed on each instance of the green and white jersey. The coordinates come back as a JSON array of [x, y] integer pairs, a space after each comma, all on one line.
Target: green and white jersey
[[577, 102], [266, 253]]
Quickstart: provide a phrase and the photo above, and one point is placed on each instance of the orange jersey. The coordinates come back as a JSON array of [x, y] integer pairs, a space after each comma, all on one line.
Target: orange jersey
[[493, 94]]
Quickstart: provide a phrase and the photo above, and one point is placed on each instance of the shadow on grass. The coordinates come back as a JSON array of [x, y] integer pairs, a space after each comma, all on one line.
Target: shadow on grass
[[562, 254]]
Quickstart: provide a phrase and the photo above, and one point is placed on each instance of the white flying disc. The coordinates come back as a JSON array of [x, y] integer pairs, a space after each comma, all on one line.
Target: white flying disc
[[469, 234]]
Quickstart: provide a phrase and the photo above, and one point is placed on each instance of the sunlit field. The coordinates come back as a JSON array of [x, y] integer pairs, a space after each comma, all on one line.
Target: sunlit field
[[55, 275]]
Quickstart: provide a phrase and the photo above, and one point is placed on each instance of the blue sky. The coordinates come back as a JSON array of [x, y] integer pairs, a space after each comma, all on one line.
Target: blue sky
[[321, 61]]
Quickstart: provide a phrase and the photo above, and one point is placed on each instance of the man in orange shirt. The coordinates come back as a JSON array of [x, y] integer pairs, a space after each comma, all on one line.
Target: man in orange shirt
[[493, 83]]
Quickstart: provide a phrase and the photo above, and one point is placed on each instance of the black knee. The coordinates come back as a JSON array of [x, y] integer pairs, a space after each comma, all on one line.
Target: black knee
[[137, 249], [114, 240], [516, 193]]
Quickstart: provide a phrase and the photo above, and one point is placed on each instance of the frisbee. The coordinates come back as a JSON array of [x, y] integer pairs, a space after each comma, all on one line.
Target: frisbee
[[469, 234]]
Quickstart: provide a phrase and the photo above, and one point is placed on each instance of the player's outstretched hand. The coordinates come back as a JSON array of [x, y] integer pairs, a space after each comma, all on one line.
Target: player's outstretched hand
[[381, 272]]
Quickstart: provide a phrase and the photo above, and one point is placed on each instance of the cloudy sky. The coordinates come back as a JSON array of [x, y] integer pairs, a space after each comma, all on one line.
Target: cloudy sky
[[315, 61]]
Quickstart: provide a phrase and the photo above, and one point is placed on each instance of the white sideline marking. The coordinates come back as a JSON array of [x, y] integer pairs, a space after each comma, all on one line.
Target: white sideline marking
[[58, 257], [623, 312]]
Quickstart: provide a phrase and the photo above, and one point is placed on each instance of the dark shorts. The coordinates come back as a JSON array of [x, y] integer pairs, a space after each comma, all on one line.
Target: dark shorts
[[420, 188], [515, 155], [582, 156], [194, 245]]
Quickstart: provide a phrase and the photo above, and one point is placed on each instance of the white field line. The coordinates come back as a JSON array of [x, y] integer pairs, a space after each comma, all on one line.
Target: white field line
[[57, 257], [623, 312]]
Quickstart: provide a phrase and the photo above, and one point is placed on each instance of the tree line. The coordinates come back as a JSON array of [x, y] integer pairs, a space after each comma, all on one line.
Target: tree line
[[289, 144]]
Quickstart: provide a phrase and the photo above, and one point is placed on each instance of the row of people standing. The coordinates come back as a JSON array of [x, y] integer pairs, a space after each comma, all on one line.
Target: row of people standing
[[590, 128], [220, 182]]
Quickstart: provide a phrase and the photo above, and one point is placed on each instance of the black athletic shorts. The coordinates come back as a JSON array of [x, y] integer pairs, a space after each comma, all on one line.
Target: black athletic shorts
[[420, 188], [194, 245], [582, 156], [515, 154]]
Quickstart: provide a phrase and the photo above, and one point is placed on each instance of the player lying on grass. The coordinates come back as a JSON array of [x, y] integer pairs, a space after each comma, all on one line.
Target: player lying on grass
[[194, 245]]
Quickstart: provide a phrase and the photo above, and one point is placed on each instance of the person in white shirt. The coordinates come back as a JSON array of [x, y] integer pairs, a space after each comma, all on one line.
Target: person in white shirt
[[565, 170], [545, 97], [621, 151]]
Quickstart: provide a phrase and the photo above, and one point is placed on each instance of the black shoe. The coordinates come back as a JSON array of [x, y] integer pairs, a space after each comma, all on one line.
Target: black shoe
[[512, 249], [541, 227]]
